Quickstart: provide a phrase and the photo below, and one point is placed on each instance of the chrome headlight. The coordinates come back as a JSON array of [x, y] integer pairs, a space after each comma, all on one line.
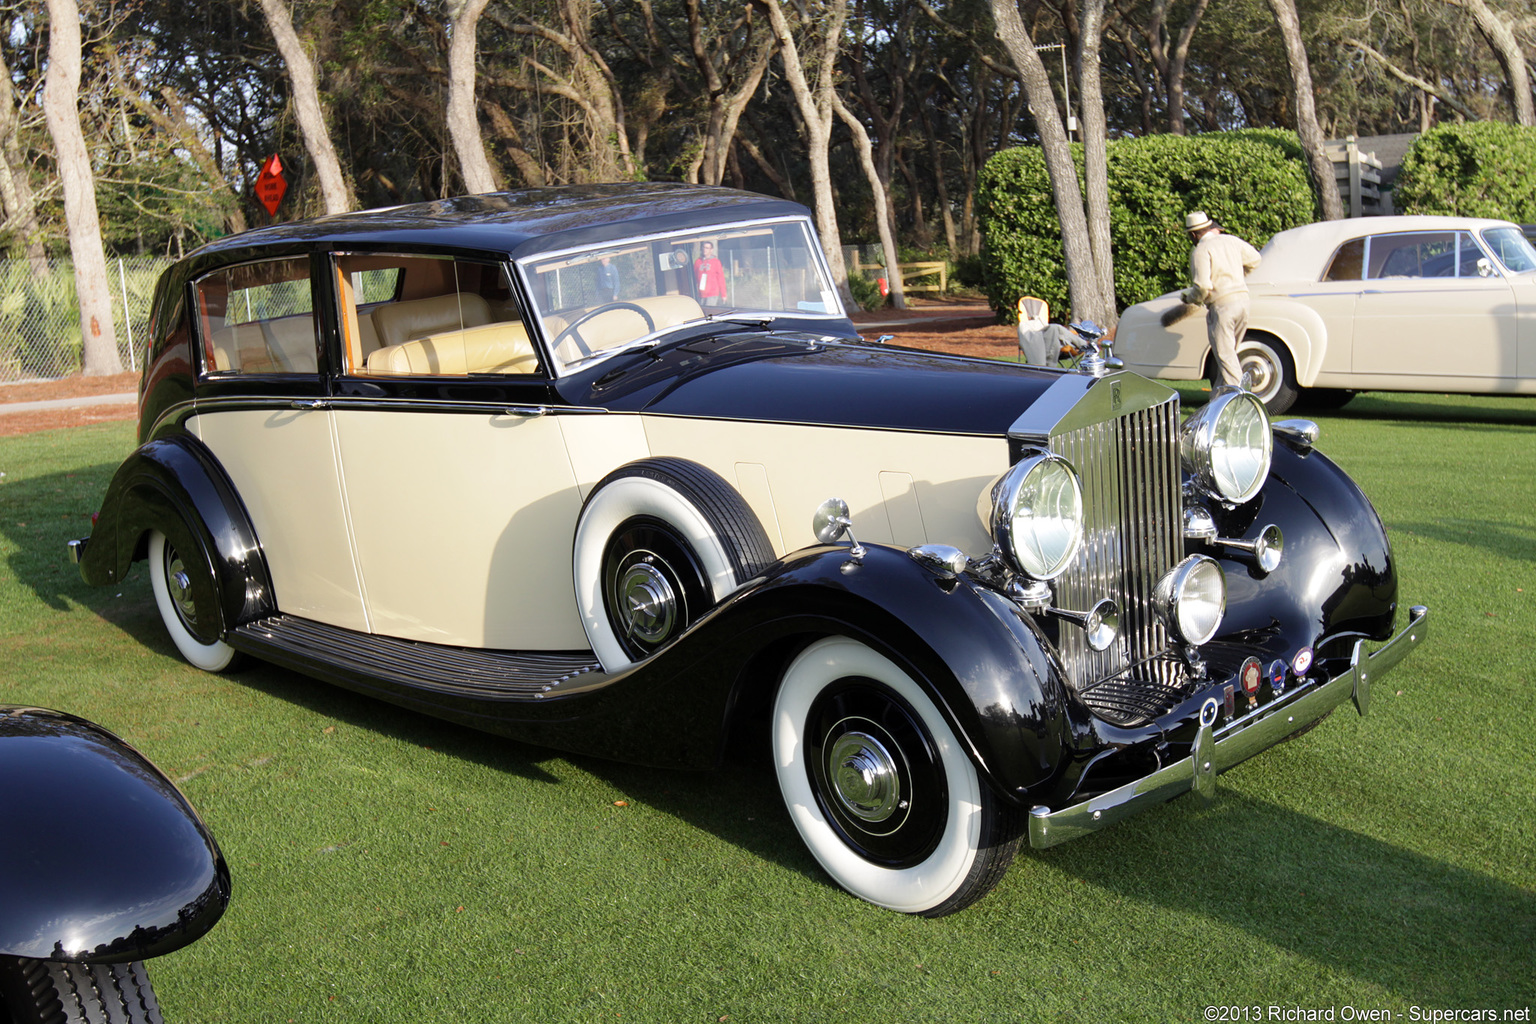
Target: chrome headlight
[[1191, 599], [1227, 446], [1036, 515]]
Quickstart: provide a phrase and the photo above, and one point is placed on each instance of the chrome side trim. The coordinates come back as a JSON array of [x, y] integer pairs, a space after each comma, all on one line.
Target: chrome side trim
[[1239, 740]]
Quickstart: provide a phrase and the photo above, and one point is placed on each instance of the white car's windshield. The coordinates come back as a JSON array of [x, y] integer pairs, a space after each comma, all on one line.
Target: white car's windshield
[[1512, 248], [595, 301]]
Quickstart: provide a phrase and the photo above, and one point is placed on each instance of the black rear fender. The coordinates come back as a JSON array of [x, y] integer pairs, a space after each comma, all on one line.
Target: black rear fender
[[176, 486]]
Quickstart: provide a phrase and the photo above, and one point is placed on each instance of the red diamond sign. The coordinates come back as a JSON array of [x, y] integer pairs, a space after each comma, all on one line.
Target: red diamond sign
[[271, 186]]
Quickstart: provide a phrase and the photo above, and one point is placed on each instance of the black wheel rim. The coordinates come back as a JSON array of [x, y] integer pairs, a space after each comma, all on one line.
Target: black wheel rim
[[653, 587], [876, 773]]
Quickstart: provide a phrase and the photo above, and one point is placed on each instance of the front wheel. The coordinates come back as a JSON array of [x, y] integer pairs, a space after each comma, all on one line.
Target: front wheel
[[879, 788], [1270, 372], [193, 627], [43, 992]]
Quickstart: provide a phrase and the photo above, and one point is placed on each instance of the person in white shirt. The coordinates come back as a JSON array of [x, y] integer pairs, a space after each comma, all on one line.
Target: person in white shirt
[[1217, 266]]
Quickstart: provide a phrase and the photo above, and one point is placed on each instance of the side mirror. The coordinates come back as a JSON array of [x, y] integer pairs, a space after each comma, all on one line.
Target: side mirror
[[1484, 268]]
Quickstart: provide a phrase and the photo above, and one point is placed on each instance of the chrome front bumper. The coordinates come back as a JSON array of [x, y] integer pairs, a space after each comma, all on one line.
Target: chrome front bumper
[[1216, 751]]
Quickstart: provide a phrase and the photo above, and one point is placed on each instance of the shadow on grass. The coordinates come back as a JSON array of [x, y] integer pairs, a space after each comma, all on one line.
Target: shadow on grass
[[1431, 932]]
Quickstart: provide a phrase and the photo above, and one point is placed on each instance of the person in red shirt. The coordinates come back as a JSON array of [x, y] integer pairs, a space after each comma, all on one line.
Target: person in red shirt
[[709, 274]]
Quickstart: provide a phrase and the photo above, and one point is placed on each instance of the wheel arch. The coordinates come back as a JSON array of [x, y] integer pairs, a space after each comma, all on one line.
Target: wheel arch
[[981, 661], [177, 486], [1298, 327]]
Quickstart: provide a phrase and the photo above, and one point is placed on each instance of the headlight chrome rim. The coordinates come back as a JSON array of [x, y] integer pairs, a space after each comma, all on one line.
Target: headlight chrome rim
[[1191, 599], [1041, 546], [1228, 446]]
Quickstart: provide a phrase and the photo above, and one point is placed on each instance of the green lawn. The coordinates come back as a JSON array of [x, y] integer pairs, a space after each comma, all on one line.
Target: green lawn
[[392, 868]]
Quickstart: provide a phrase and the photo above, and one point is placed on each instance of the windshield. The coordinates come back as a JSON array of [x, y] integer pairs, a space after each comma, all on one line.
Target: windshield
[[1512, 249], [595, 301]]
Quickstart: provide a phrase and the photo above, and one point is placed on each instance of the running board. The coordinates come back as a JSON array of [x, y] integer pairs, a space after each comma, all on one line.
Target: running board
[[330, 651]]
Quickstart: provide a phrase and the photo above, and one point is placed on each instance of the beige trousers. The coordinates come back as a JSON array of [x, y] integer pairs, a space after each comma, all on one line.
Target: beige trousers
[[1226, 322]]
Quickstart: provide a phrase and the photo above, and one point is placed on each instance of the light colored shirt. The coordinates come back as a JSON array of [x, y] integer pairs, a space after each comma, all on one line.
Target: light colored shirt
[[1218, 265]]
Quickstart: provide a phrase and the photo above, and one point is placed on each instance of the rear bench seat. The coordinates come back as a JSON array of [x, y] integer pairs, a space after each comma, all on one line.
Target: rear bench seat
[[284, 345]]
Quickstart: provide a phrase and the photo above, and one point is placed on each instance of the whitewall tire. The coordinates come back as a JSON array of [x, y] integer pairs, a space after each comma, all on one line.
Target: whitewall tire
[[169, 578], [1272, 375], [659, 542], [878, 786]]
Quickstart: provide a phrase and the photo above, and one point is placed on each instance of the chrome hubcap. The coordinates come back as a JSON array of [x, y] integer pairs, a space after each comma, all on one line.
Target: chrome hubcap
[[180, 586], [863, 776], [647, 601], [1260, 372]]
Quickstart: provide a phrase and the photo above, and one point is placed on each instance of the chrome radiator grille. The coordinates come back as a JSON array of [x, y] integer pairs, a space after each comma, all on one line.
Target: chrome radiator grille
[[1129, 467]]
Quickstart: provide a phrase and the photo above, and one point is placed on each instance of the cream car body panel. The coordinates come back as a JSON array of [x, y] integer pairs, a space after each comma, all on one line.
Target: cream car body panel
[[807, 464], [483, 577], [303, 525]]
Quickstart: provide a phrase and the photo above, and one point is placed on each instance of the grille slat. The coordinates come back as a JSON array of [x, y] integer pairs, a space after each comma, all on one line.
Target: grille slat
[[1130, 474]]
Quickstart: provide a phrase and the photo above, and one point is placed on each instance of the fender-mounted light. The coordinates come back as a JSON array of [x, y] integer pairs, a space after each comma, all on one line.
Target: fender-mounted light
[[1191, 599]]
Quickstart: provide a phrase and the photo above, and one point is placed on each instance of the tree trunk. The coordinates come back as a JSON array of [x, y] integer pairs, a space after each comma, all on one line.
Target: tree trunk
[[1306, 109], [1506, 49], [463, 119], [1082, 278], [882, 203], [1178, 59], [1096, 156], [306, 106], [61, 93], [816, 110], [15, 181]]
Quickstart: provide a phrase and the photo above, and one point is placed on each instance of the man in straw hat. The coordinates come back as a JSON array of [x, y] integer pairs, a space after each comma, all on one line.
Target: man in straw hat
[[1218, 266]]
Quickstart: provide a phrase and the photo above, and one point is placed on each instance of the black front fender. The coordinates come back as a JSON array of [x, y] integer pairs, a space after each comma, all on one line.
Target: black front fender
[[102, 859], [176, 486], [982, 661], [1337, 581]]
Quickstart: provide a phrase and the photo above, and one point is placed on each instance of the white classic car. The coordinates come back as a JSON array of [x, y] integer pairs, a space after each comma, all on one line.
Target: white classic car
[[1381, 303]]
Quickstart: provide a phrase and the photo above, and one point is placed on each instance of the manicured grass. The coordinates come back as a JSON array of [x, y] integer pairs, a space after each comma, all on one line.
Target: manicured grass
[[392, 868]]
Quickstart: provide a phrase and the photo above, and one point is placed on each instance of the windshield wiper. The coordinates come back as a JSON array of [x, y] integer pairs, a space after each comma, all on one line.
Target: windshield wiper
[[759, 318]]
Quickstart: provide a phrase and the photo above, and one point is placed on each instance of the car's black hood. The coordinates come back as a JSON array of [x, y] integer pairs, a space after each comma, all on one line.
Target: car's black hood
[[800, 378]]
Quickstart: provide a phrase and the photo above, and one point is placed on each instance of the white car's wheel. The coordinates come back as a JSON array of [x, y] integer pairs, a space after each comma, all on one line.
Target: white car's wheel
[[1271, 375], [192, 628], [879, 788], [659, 542]]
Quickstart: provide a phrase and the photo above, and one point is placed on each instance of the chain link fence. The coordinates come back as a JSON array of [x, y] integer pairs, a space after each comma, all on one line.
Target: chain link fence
[[40, 315]]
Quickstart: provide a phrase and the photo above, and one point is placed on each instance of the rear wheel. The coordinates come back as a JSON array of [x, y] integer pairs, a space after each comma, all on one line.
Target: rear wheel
[[43, 992], [193, 624], [879, 788]]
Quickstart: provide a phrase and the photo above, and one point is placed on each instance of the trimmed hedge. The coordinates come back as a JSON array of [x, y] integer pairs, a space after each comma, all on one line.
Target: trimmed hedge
[[1481, 169], [1253, 182]]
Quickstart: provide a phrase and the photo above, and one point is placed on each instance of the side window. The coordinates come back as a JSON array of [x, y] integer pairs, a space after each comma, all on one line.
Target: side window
[[259, 318], [430, 315], [1348, 262], [1413, 254]]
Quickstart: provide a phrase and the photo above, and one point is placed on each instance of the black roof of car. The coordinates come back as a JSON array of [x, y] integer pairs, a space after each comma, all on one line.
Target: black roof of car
[[526, 221]]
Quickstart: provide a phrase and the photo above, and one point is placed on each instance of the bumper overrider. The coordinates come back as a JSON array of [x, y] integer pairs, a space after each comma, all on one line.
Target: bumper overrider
[[1217, 749]]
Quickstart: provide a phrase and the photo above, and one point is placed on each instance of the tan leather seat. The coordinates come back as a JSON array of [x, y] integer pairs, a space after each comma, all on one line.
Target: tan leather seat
[[400, 322], [490, 348], [616, 326]]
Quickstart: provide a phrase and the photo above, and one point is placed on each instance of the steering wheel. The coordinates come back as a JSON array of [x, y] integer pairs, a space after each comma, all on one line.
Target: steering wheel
[[586, 350]]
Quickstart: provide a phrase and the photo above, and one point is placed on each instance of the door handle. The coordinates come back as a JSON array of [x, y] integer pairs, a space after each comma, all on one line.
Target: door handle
[[525, 411], [308, 403]]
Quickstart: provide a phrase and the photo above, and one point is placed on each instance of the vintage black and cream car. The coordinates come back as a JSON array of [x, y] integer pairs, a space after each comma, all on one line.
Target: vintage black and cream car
[[609, 469]]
